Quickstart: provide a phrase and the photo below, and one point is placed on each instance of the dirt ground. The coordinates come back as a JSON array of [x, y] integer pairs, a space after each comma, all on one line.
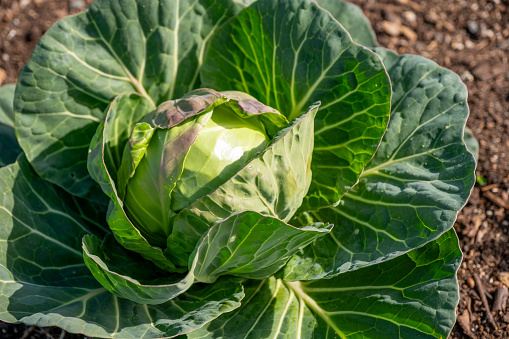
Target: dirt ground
[[471, 37]]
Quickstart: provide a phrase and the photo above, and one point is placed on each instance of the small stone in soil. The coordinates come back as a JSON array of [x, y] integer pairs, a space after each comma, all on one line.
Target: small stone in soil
[[473, 27], [410, 16], [76, 5]]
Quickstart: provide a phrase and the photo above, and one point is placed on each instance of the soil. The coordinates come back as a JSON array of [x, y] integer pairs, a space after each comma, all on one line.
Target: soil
[[471, 38]]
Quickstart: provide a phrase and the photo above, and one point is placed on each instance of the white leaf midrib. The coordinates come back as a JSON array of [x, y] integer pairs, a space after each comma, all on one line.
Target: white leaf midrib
[[297, 289]]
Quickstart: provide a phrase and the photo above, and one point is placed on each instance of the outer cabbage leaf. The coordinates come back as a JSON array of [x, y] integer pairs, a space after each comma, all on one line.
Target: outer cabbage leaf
[[471, 143], [44, 281], [349, 16], [352, 19], [290, 54], [153, 47], [273, 183], [32, 249], [9, 147], [6, 102], [411, 296], [411, 192]]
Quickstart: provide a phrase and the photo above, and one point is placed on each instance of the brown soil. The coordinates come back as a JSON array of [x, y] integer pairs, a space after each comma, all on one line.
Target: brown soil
[[469, 37]]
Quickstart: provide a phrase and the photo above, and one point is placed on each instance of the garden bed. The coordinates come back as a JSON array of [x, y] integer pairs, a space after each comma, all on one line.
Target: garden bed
[[469, 37]]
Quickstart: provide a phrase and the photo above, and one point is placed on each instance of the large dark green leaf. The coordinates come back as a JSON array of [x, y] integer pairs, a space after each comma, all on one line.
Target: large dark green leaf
[[471, 143], [411, 296], [153, 47], [9, 147], [44, 281], [273, 183], [6, 102], [32, 248], [352, 19], [419, 179], [290, 54]]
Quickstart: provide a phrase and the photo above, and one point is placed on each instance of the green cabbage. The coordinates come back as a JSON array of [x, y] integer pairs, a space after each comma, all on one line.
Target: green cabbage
[[231, 169]]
